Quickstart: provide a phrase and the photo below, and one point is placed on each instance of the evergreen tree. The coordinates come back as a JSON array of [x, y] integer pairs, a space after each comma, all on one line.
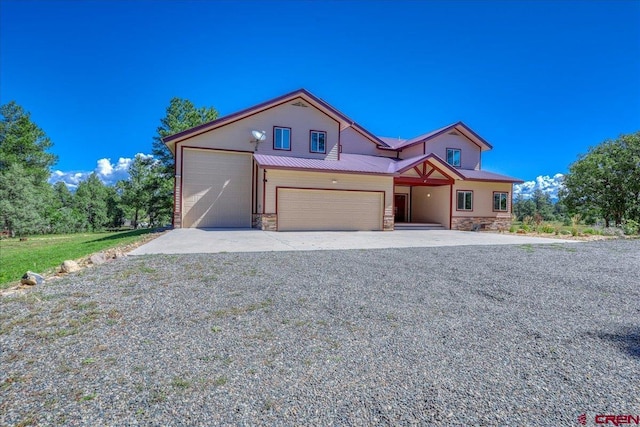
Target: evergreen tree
[[135, 190], [23, 143], [90, 201], [24, 170], [21, 202]]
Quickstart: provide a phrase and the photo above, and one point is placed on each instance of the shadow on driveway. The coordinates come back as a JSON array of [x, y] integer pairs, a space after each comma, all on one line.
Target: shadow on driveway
[[627, 340]]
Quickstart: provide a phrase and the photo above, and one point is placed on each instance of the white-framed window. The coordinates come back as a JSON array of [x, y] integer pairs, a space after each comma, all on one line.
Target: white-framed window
[[318, 141], [465, 200], [281, 138], [500, 201], [453, 156]]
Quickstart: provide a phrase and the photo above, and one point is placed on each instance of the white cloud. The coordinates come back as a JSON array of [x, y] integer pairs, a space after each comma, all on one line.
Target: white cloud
[[548, 184], [108, 172]]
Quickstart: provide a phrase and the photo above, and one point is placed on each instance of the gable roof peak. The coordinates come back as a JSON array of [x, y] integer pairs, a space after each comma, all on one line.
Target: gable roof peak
[[460, 126]]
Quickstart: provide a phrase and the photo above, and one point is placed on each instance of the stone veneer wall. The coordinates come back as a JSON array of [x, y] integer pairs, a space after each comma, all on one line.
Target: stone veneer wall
[[388, 223], [267, 222], [466, 223]]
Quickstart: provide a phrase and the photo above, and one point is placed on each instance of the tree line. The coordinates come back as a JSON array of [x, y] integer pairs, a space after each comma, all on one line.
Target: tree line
[[603, 185], [30, 205]]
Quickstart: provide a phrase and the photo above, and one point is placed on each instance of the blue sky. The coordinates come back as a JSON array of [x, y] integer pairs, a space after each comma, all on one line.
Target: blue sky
[[541, 80]]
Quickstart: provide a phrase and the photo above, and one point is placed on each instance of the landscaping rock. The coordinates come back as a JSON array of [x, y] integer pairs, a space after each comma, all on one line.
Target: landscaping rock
[[39, 278], [118, 254], [69, 266], [31, 279], [97, 259]]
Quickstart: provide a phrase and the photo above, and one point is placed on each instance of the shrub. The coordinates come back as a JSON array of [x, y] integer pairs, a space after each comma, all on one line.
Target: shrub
[[512, 229], [575, 220], [630, 227], [537, 218], [612, 231], [565, 232], [589, 231], [546, 228], [525, 228]]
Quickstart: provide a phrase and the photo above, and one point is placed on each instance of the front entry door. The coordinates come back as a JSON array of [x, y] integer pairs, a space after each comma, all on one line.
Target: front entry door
[[400, 210]]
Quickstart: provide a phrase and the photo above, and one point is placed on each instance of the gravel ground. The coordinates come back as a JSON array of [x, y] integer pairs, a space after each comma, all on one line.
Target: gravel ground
[[496, 335]]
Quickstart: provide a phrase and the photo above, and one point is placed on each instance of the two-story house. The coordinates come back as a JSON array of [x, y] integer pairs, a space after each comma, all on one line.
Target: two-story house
[[297, 163]]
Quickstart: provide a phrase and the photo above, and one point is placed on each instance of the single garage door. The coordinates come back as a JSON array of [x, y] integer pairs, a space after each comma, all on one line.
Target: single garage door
[[300, 209], [216, 189]]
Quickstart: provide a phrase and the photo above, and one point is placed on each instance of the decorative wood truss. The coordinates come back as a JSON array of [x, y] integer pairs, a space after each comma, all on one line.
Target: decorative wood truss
[[424, 174]]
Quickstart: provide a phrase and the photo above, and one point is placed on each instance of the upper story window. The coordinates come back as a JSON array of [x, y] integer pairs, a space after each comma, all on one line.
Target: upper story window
[[318, 141], [500, 202], [453, 156], [465, 200], [281, 138]]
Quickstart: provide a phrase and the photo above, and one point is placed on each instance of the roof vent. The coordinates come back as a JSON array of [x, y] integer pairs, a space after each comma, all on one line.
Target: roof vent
[[300, 104], [453, 132]]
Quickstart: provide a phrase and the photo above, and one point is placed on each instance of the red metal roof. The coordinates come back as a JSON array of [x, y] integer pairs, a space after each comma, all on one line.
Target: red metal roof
[[479, 175], [399, 143], [360, 163], [348, 163]]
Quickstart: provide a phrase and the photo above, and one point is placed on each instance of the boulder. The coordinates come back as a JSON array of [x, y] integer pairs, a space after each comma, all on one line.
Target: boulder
[[28, 279], [69, 266], [97, 259], [38, 277]]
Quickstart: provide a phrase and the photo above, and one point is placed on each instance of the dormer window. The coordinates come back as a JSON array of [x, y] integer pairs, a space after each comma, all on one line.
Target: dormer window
[[281, 138], [453, 156], [318, 141]]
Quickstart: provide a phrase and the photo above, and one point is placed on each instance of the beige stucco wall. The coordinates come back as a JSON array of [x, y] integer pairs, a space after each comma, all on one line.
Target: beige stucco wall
[[431, 208], [301, 179], [469, 152], [354, 142], [301, 120], [413, 151], [482, 198]]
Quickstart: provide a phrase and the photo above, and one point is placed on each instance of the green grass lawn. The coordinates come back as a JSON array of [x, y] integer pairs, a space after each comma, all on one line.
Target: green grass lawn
[[41, 253]]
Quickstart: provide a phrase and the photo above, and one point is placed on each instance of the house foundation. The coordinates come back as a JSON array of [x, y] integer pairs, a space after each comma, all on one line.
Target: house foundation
[[266, 222], [469, 223]]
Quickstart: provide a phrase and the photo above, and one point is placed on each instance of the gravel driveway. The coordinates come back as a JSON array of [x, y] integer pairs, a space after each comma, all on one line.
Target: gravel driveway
[[495, 335]]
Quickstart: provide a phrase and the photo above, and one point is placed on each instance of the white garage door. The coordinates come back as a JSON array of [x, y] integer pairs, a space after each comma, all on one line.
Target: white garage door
[[216, 189], [329, 210]]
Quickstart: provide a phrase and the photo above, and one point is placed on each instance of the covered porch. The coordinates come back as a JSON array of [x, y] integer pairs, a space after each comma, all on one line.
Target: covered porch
[[423, 196]]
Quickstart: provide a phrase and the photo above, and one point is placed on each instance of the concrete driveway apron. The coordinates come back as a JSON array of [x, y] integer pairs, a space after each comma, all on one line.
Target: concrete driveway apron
[[193, 240]]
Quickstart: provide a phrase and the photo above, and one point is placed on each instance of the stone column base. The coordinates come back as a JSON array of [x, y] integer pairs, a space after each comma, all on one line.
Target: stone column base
[[477, 223], [266, 222], [388, 223]]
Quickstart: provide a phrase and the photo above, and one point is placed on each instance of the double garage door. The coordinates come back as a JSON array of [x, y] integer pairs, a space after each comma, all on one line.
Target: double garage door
[[216, 189], [306, 209]]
